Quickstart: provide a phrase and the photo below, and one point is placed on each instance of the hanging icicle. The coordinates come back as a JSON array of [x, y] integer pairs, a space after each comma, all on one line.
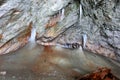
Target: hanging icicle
[[80, 12], [33, 35], [84, 36], [62, 14]]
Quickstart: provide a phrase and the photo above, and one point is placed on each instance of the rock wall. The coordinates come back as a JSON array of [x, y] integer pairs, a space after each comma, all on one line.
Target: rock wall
[[49, 17], [63, 21], [101, 22]]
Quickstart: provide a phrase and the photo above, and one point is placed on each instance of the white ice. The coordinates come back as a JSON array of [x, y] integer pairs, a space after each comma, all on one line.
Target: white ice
[[62, 14], [80, 12], [33, 35], [84, 40]]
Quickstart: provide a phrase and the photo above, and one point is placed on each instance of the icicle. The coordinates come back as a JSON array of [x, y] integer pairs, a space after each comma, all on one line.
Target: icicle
[[80, 12], [33, 35], [84, 36], [95, 2], [62, 14]]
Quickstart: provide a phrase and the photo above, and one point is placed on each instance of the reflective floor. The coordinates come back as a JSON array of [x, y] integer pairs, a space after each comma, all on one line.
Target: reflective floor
[[34, 62]]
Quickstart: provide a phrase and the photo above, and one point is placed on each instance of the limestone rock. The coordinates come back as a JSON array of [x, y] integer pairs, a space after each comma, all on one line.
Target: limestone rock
[[16, 15], [100, 22], [57, 21], [17, 42]]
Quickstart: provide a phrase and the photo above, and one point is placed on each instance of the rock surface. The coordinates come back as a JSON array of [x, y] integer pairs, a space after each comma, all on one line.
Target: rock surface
[[46, 16], [101, 22], [16, 42], [63, 21]]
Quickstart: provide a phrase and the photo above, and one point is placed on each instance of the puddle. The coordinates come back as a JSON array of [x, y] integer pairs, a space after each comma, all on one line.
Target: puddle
[[51, 63]]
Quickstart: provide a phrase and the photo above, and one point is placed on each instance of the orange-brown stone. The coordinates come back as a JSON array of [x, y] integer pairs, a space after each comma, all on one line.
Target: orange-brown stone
[[1, 36], [53, 21], [17, 42], [100, 50]]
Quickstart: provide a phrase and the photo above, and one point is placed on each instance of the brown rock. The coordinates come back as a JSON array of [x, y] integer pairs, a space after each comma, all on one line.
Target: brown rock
[[17, 42], [100, 74], [101, 50], [0, 36]]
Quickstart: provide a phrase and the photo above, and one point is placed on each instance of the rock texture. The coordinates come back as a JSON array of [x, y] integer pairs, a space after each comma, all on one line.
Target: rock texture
[[101, 22], [64, 21], [47, 16], [17, 42]]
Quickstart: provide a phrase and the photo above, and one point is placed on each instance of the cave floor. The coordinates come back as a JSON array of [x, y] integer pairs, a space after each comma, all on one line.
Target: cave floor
[[33, 63], [50, 63]]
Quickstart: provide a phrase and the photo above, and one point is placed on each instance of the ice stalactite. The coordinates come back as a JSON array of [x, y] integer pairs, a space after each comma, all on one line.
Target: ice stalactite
[[33, 35], [81, 12], [62, 14], [95, 2], [84, 36], [32, 43]]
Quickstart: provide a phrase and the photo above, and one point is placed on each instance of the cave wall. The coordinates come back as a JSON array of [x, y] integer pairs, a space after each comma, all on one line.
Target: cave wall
[[48, 17], [101, 22], [98, 19]]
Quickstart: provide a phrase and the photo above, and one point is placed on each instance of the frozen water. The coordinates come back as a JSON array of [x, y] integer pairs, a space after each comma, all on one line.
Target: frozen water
[[33, 35], [62, 14], [80, 12], [84, 40]]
